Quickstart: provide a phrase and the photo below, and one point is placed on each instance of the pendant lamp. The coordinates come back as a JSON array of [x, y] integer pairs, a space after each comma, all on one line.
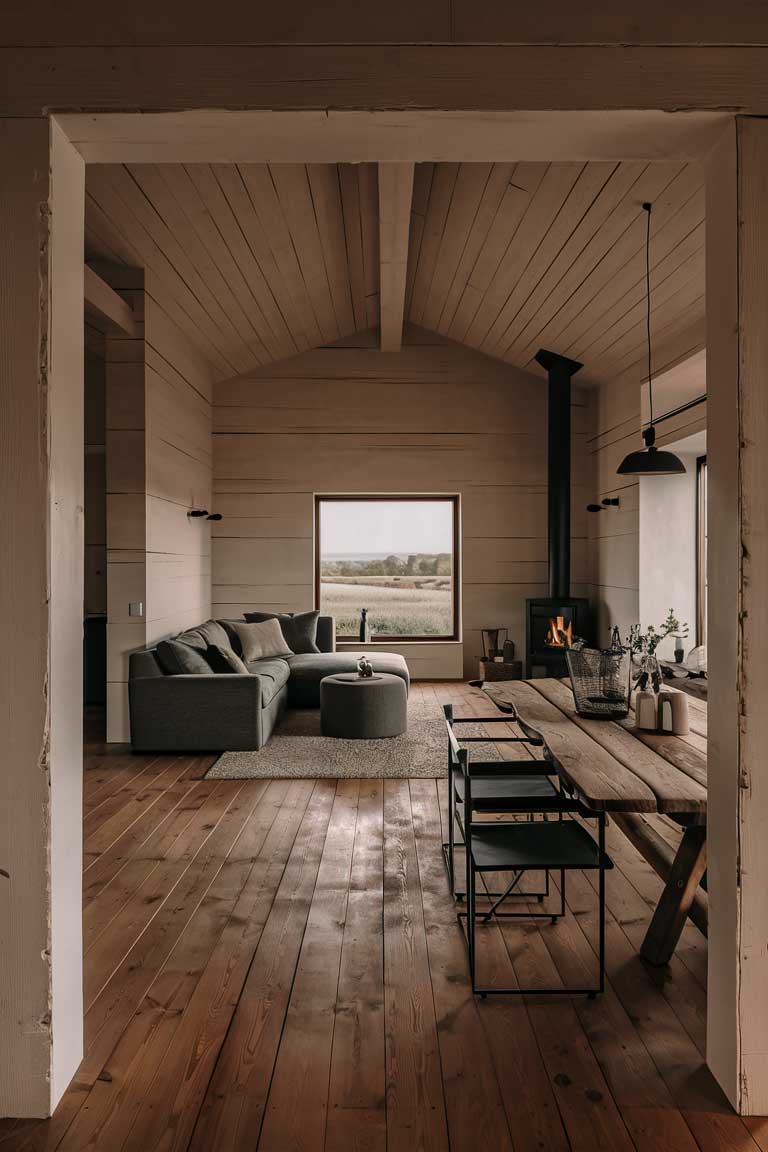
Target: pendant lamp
[[650, 461]]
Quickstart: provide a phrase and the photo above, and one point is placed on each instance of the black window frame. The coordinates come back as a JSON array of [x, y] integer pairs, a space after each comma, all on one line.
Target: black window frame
[[399, 497]]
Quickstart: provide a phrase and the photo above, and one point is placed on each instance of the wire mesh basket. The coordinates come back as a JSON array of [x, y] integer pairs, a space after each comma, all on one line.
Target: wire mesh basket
[[600, 678]]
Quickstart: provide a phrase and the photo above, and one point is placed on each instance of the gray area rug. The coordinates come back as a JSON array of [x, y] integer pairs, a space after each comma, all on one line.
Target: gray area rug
[[298, 751]]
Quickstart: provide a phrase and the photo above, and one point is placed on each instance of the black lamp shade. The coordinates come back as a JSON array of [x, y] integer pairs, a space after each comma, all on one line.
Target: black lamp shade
[[651, 461]]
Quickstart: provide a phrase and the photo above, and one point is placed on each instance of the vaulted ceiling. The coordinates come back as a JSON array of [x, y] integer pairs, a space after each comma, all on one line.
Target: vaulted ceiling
[[512, 258], [265, 261]]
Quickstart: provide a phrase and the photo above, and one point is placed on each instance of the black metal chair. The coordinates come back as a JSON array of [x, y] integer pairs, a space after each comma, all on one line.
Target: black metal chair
[[519, 846], [508, 787]]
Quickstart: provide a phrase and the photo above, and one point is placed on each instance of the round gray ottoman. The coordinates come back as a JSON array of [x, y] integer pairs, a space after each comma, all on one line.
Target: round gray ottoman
[[363, 708]]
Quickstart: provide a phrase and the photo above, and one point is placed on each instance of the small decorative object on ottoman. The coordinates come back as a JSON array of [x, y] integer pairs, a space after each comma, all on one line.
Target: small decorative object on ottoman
[[363, 707]]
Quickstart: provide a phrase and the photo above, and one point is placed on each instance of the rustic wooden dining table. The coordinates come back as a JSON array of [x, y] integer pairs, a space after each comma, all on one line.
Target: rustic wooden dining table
[[613, 767]]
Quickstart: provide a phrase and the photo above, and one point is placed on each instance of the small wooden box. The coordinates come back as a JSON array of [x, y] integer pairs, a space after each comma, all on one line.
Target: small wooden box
[[497, 670]]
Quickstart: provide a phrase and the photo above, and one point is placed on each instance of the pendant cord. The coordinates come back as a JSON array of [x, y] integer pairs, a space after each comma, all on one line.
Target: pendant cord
[[647, 208]]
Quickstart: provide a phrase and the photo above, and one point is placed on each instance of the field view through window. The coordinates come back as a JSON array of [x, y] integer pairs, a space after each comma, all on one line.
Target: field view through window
[[392, 557]]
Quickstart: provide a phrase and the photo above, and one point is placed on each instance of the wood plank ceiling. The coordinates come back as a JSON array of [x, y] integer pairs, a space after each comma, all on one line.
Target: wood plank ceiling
[[263, 261]]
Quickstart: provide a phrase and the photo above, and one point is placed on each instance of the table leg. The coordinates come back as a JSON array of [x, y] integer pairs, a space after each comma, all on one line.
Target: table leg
[[668, 921]]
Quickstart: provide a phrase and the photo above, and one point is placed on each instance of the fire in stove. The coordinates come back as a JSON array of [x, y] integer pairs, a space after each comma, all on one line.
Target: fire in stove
[[559, 634]]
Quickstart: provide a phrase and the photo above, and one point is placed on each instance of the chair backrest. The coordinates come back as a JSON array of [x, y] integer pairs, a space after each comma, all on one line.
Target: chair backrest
[[453, 744], [458, 757], [460, 761]]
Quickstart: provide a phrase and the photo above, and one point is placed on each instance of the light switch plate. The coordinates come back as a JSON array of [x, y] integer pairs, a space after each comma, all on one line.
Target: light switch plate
[[136, 608]]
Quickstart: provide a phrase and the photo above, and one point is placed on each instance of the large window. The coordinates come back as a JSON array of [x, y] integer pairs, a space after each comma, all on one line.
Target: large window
[[394, 556]]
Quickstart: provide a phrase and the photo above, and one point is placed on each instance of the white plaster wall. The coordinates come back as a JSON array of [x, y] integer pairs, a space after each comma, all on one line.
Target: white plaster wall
[[668, 551]]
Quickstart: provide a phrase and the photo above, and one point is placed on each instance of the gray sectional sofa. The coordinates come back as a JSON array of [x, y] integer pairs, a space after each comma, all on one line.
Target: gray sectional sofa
[[219, 712]]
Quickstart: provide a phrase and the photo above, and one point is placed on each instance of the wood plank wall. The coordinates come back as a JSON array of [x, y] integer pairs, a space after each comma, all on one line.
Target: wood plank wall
[[126, 510], [179, 395], [159, 394], [436, 417], [614, 535], [95, 598]]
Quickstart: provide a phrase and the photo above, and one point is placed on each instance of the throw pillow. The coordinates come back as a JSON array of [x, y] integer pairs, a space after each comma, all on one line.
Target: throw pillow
[[214, 633], [229, 627], [259, 641], [193, 638], [298, 628], [223, 660], [179, 659]]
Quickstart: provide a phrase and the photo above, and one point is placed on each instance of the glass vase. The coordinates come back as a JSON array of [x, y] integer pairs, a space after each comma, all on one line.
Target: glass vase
[[649, 676]]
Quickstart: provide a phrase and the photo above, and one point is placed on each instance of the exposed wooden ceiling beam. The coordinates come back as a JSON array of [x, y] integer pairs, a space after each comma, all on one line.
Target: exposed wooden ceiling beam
[[355, 137], [105, 308], [395, 191]]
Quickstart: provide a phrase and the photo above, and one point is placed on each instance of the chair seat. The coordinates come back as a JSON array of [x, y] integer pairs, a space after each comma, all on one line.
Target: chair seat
[[534, 845], [509, 793]]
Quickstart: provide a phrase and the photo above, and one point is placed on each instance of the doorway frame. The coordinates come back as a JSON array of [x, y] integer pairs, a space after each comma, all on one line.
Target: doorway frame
[[354, 136]]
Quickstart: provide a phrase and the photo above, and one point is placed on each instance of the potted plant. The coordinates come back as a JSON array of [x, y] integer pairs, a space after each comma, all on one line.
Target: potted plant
[[643, 646], [680, 634]]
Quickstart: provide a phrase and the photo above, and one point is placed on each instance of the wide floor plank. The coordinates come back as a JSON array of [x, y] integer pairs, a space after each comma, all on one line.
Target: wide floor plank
[[296, 1111], [277, 965], [357, 1114], [234, 1105], [416, 1116]]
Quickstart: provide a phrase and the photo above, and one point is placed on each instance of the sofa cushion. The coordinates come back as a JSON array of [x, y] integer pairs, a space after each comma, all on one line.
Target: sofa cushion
[[202, 635], [273, 674], [326, 633], [262, 641], [231, 631], [223, 660], [214, 633], [193, 638], [177, 658], [307, 670], [298, 628], [144, 665]]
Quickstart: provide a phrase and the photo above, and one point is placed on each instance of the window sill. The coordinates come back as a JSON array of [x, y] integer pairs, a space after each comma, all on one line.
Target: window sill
[[373, 644]]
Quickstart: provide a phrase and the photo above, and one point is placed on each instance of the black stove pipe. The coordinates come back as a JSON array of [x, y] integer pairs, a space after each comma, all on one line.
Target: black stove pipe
[[560, 370]]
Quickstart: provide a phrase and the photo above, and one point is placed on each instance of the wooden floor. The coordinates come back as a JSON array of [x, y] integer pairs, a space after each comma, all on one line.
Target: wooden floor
[[277, 965]]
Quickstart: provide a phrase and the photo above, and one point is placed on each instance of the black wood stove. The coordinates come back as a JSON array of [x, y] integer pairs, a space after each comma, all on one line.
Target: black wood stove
[[552, 621]]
